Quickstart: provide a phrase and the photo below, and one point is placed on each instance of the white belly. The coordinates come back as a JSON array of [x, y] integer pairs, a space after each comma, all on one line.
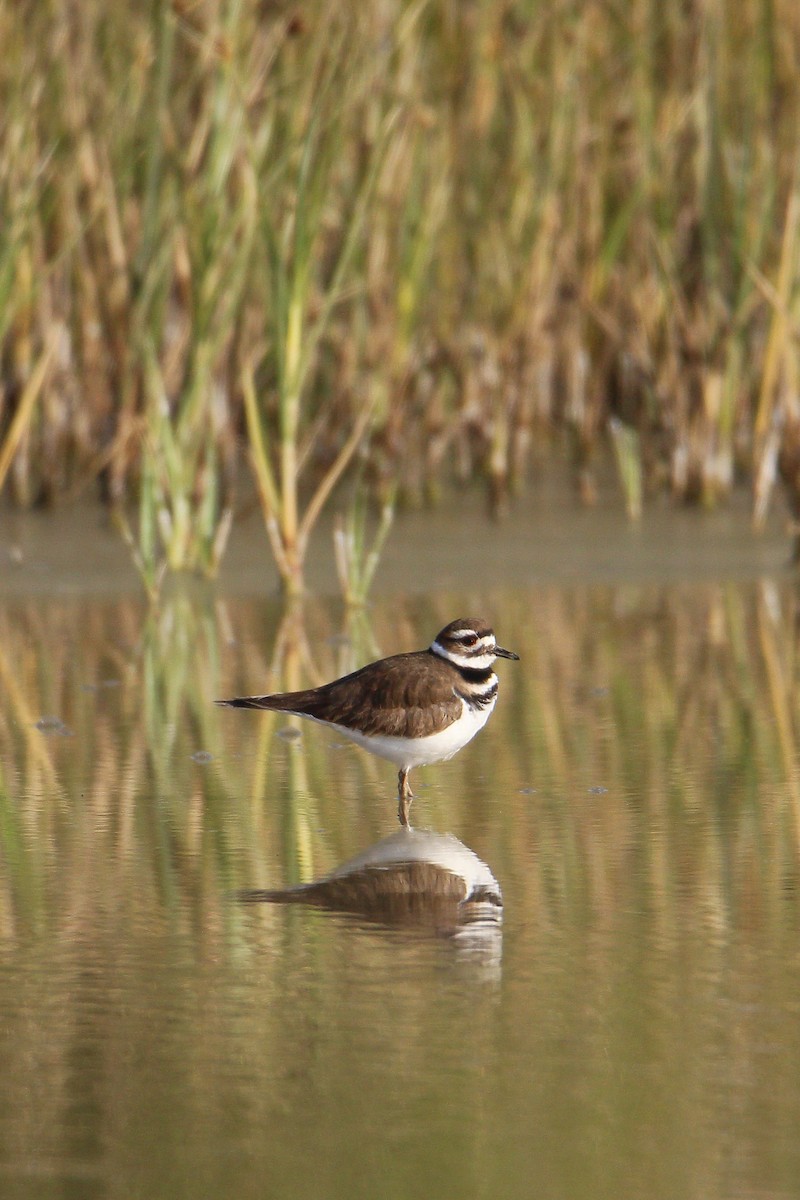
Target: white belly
[[436, 747]]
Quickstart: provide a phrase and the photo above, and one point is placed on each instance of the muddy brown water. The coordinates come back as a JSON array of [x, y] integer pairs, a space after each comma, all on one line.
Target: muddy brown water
[[627, 1024]]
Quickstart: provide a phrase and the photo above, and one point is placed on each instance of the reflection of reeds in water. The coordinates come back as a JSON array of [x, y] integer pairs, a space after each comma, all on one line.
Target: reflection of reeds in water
[[673, 707], [649, 960], [645, 752]]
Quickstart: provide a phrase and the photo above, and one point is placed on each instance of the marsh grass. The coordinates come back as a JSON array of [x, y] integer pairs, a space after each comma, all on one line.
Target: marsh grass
[[357, 549], [447, 237]]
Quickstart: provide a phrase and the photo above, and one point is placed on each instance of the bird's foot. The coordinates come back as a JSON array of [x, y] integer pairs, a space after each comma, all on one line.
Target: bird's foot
[[403, 810], [404, 798]]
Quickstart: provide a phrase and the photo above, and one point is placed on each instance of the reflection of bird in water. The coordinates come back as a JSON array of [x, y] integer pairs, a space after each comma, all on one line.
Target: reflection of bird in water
[[413, 709], [413, 877]]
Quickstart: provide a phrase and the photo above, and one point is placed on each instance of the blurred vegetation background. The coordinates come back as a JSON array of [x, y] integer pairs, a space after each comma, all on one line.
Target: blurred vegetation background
[[408, 243]]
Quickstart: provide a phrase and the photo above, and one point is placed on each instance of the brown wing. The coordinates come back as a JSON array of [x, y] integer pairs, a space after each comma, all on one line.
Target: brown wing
[[399, 696]]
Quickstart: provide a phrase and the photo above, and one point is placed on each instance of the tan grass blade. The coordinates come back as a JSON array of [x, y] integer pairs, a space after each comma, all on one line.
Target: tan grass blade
[[22, 416]]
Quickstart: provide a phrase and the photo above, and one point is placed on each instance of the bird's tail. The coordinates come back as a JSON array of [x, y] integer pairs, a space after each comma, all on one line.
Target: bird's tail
[[281, 702]]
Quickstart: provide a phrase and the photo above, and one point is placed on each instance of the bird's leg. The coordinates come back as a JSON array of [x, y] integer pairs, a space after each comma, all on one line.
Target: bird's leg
[[404, 798]]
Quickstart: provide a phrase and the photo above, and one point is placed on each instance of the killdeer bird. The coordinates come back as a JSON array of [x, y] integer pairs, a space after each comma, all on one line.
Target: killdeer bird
[[413, 709]]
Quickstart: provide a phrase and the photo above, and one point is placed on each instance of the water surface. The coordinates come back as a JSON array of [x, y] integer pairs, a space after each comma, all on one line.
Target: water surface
[[631, 1028]]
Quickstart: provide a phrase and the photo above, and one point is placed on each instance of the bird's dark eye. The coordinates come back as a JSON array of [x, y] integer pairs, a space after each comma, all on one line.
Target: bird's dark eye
[[469, 639]]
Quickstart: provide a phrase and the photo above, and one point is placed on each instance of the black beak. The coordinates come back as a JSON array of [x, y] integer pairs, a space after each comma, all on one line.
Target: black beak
[[501, 653]]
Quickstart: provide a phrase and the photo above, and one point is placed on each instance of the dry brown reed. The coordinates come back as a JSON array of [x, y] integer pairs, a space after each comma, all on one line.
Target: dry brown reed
[[482, 224]]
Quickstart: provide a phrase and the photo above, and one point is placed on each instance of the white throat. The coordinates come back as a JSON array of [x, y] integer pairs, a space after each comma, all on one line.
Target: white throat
[[473, 662]]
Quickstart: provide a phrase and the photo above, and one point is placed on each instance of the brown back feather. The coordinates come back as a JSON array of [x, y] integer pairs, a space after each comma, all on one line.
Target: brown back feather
[[388, 698]]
